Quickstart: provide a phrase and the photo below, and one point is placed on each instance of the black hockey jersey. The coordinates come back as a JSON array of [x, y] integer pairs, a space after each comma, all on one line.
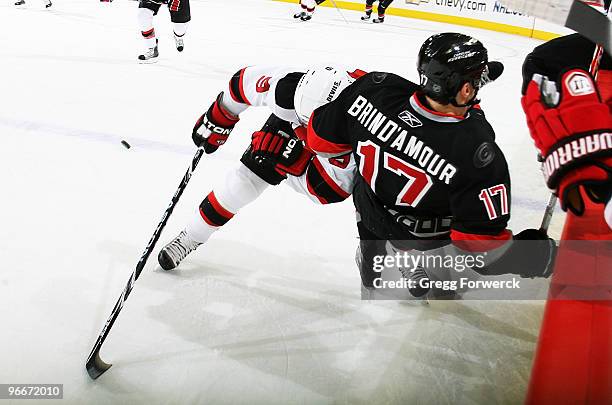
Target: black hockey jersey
[[415, 161]]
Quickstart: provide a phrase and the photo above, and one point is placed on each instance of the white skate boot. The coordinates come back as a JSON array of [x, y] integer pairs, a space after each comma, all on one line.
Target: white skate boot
[[367, 15], [174, 252], [150, 56], [180, 44]]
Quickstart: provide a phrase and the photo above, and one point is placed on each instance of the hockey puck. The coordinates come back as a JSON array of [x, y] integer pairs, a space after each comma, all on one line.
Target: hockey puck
[[127, 145]]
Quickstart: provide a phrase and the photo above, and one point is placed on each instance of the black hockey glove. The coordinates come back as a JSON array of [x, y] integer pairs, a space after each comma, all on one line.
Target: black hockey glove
[[214, 127], [531, 254], [539, 251], [285, 152]]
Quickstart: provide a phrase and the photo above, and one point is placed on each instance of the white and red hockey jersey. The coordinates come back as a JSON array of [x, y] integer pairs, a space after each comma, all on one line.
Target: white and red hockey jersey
[[326, 180]]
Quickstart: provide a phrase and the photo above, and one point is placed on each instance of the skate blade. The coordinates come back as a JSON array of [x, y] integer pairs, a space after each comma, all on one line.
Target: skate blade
[[147, 61]]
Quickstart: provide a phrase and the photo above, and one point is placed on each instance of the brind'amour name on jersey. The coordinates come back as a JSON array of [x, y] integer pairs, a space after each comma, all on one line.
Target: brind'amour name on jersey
[[373, 120]]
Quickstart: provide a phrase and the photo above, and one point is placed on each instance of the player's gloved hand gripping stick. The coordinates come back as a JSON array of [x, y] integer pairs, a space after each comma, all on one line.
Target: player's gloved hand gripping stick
[[572, 129], [578, 205], [214, 127]]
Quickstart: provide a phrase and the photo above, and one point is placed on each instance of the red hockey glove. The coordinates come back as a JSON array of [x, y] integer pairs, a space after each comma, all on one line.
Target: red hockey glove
[[214, 127], [572, 129], [286, 152]]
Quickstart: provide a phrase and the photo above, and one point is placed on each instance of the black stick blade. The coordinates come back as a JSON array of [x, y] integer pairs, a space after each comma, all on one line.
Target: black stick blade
[[96, 366]]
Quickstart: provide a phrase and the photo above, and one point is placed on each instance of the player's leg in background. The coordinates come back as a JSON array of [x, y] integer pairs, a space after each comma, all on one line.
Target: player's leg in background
[[368, 10], [146, 10], [300, 13], [180, 14], [308, 8], [382, 9]]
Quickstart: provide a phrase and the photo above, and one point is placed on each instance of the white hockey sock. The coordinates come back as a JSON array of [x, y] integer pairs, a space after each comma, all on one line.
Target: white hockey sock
[[199, 230], [145, 21], [308, 6], [240, 188], [180, 29]]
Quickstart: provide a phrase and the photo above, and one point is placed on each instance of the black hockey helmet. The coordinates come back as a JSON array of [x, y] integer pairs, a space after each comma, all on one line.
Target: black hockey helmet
[[446, 62]]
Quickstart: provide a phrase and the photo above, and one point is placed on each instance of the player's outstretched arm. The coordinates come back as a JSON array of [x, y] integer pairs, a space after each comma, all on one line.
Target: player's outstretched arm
[[480, 203], [572, 129], [213, 128], [530, 253]]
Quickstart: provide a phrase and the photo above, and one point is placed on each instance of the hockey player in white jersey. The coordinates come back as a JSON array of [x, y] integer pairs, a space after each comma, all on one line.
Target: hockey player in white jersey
[[277, 152], [307, 9], [180, 15]]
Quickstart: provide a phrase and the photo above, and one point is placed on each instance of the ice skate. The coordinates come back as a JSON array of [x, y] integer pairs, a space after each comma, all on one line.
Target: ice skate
[[178, 41], [379, 20], [418, 277], [150, 56], [49, 4], [367, 16], [20, 3], [299, 15], [306, 16], [174, 252]]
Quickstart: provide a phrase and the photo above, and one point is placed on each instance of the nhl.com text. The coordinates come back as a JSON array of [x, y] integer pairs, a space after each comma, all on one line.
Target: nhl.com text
[[475, 5], [463, 4]]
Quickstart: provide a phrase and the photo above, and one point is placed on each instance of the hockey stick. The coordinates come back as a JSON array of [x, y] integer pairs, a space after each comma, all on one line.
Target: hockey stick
[[95, 365], [548, 213], [552, 200], [341, 14]]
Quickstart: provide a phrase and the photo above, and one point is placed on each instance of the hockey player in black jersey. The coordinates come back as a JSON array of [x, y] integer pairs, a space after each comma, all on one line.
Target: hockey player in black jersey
[[382, 8], [430, 171]]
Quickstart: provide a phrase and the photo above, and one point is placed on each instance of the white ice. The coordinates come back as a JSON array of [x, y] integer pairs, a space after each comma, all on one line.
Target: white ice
[[269, 311]]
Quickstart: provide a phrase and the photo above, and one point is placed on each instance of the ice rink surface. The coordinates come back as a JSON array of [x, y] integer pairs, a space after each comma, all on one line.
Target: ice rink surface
[[269, 311]]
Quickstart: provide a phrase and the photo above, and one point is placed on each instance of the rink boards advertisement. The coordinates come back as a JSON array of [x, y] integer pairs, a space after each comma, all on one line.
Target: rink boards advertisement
[[486, 14]]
